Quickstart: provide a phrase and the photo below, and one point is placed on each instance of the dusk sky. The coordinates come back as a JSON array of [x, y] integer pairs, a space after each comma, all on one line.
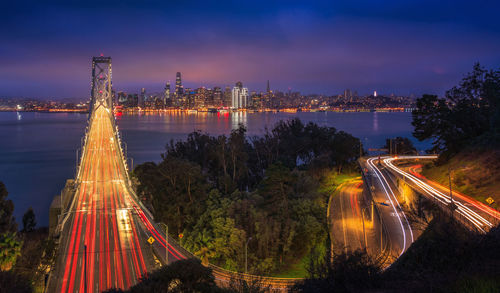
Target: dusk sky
[[400, 47]]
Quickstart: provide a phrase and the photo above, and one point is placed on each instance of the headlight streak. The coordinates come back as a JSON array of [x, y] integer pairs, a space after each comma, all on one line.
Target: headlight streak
[[380, 176], [473, 217]]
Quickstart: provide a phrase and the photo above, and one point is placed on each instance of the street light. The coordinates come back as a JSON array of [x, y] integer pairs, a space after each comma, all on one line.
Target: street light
[[246, 255], [166, 242]]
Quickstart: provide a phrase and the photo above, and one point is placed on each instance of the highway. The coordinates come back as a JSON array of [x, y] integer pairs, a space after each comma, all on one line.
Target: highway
[[385, 195], [103, 242], [469, 211], [354, 225]]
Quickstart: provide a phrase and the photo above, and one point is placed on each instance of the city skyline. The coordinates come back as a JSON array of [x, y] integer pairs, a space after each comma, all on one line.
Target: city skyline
[[415, 48]]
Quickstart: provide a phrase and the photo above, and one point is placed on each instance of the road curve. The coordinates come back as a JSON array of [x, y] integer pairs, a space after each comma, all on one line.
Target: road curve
[[471, 212]]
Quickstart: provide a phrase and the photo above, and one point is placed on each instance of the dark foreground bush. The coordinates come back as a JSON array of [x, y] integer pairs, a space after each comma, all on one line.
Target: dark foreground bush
[[351, 272], [187, 275]]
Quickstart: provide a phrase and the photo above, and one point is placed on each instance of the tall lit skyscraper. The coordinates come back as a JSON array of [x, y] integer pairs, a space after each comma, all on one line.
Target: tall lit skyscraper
[[268, 87], [239, 96], [142, 97], [179, 90], [166, 95]]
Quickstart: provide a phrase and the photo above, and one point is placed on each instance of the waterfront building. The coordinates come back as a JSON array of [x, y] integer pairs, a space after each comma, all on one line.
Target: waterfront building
[[179, 90], [217, 97], [239, 96], [227, 97], [166, 95]]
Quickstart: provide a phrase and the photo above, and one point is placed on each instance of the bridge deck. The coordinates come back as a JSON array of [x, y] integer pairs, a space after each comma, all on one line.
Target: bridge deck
[[102, 219]]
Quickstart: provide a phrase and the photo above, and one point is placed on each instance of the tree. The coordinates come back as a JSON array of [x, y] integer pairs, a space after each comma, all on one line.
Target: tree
[[10, 249], [29, 221], [470, 112], [7, 221], [400, 146], [187, 275], [351, 272]]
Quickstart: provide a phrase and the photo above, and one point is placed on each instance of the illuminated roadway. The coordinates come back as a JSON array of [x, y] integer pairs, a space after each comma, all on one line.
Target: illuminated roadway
[[353, 224], [468, 210], [385, 196], [105, 217]]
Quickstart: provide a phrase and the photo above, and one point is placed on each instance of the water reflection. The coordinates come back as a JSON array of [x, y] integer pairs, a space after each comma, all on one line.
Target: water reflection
[[375, 121], [238, 118]]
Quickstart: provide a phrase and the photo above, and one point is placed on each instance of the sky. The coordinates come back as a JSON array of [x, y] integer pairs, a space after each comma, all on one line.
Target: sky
[[324, 47]]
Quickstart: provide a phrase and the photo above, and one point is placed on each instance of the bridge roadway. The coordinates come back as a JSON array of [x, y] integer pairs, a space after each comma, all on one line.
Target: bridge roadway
[[102, 218]]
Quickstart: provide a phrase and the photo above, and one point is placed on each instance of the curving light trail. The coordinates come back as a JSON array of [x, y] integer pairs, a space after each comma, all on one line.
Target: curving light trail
[[472, 216], [398, 211]]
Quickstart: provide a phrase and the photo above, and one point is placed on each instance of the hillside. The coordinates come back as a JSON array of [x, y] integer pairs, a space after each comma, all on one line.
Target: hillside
[[475, 173]]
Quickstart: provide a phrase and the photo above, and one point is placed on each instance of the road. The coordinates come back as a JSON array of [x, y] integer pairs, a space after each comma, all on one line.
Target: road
[[103, 242], [354, 225], [385, 195], [468, 210]]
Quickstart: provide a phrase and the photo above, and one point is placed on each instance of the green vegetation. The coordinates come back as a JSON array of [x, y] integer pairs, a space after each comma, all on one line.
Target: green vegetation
[[24, 256], [465, 130], [270, 192], [10, 249], [10, 245], [468, 116]]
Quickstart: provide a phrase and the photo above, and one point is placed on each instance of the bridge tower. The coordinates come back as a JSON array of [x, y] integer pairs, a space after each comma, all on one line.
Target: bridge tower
[[101, 94]]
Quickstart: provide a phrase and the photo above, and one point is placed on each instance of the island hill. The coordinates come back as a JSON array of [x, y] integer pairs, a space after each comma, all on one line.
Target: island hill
[[272, 191]]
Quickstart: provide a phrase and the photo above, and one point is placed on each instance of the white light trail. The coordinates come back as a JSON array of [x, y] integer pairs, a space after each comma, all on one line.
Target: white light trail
[[473, 217]]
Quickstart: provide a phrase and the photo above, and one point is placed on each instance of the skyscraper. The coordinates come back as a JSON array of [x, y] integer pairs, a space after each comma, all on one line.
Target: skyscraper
[[166, 97], [268, 87], [142, 98], [179, 90], [239, 96], [227, 97], [217, 97]]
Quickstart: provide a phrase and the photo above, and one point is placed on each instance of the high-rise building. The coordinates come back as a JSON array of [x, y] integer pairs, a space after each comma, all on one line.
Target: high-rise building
[[239, 96], [166, 95], [179, 90], [268, 87], [142, 98], [200, 97], [227, 97], [217, 97]]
